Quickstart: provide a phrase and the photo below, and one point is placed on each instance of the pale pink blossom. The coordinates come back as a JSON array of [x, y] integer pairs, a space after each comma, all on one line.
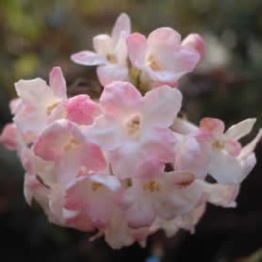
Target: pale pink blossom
[[156, 193], [110, 53], [39, 102], [64, 143], [226, 160], [162, 56], [91, 197], [133, 126]]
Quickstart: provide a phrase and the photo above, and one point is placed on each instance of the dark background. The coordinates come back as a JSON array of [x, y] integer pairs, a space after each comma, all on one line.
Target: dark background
[[37, 35]]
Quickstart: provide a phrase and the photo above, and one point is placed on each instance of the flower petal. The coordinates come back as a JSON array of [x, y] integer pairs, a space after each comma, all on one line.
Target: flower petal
[[120, 97], [240, 130], [31, 90], [122, 24], [57, 82], [81, 109], [215, 126], [111, 72], [195, 41], [88, 58], [225, 168], [161, 106], [163, 37], [136, 44]]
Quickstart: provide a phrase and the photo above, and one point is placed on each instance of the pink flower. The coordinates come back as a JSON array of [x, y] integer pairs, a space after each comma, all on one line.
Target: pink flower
[[63, 143], [91, 197], [228, 163], [156, 193], [110, 53], [39, 102], [133, 127], [162, 56]]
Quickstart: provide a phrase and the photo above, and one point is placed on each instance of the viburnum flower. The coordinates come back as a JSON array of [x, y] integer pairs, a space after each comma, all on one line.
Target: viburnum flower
[[110, 53], [39, 102], [133, 126], [63, 143], [162, 57], [156, 193], [226, 163], [126, 165]]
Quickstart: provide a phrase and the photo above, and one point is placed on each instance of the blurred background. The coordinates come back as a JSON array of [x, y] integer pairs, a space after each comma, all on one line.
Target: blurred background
[[37, 35]]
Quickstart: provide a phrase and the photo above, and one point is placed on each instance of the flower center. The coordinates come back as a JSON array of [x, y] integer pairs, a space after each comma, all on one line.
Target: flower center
[[218, 144], [133, 125], [95, 186], [111, 58], [71, 144], [51, 108], [153, 64], [151, 186]]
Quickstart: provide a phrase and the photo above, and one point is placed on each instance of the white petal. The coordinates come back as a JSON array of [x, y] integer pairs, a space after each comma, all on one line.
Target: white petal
[[88, 58], [161, 106], [240, 130], [122, 24], [225, 168]]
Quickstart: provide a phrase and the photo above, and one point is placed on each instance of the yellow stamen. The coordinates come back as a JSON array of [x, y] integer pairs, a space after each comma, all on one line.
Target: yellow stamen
[[219, 144], [133, 125], [51, 108], [151, 186], [95, 186], [151, 61], [111, 58]]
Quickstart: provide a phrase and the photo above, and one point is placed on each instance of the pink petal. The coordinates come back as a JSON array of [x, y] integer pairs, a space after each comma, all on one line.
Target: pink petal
[[51, 142], [57, 82], [119, 98], [212, 125], [240, 130], [136, 44], [161, 106], [190, 157], [122, 24], [112, 72], [233, 147], [93, 201], [81, 109], [92, 157], [88, 58], [197, 42], [8, 136], [163, 36], [105, 132], [141, 214]]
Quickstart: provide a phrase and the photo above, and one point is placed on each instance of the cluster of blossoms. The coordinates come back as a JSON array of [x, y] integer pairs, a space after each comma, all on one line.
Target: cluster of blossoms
[[126, 165]]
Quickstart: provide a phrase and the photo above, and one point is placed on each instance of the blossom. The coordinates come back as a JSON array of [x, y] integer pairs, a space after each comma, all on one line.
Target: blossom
[[162, 56], [110, 53], [126, 165], [91, 197], [226, 163], [156, 193], [64, 143], [133, 126], [39, 102]]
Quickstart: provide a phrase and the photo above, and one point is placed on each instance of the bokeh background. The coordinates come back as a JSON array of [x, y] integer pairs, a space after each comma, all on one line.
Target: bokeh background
[[37, 35]]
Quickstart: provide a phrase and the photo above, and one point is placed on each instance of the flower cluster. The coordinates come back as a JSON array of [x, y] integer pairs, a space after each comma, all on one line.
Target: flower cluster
[[126, 165]]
